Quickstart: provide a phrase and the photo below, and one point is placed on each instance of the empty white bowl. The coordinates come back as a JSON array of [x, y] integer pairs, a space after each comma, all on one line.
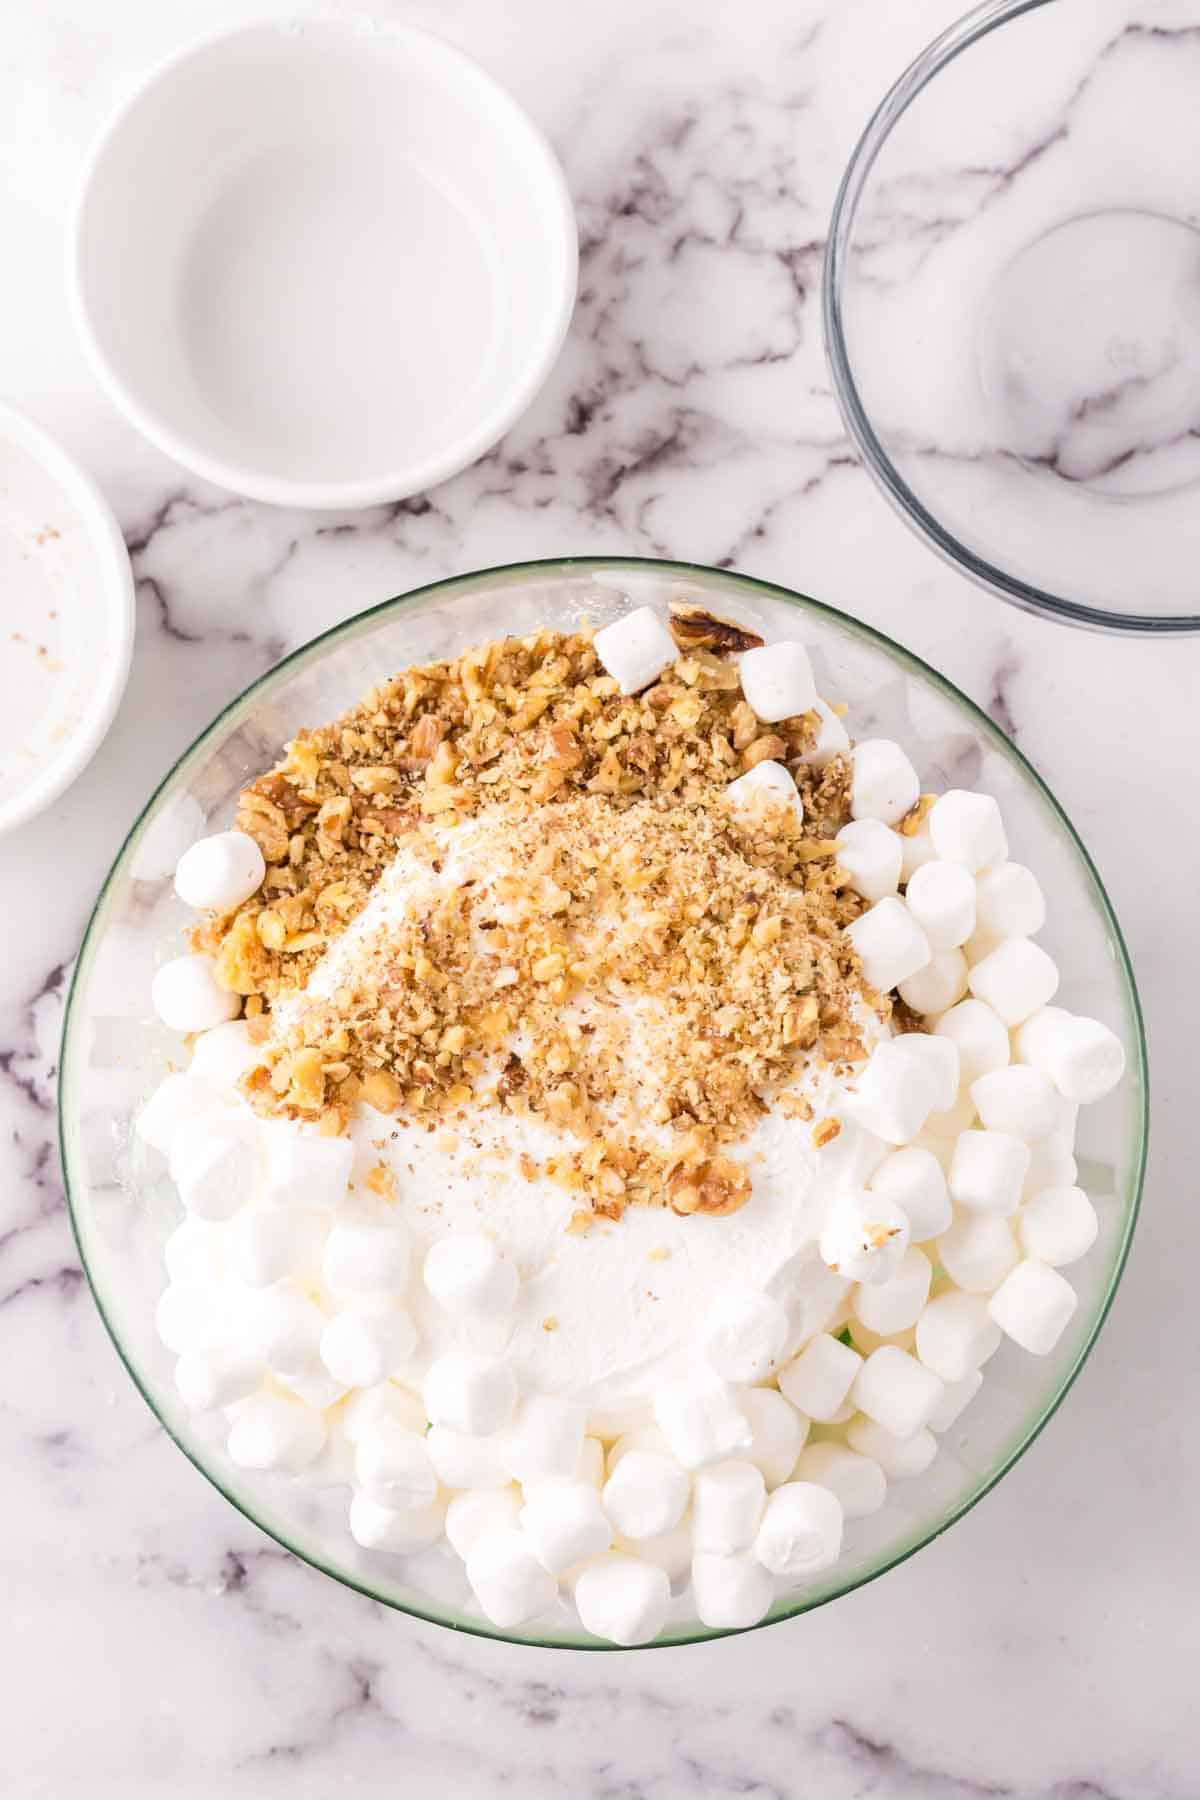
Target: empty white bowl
[[323, 263]]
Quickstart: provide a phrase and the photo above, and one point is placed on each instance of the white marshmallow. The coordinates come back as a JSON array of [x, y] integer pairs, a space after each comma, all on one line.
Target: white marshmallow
[[636, 649], [175, 1101], [1058, 1226], [955, 1401], [389, 1401], [832, 738], [186, 1317], [858, 1481], [746, 1336], [801, 1530], [224, 1054], [1033, 1306], [1082, 1057], [623, 1599], [646, 1494], [671, 1551], [777, 680], [509, 1582], [895, 1304], [546, 1441], [956, 1334], [400, 1533], [305, 1170], [564, 1523], [701, 1420], [469, 1278], [916, 849], [819, 1379], [1015, 979], [195, 1252], [940, 1056], [1009, 902], [884, 784], [470, 1393], [270, 1433], [980, 1035], [891, 945], [727, 1503], [462, 1461], [913, 1180], [266, 1243], [987, 1171], [978, 1251], [365, 1257], [362, 1347], [187, 997], [865, 1237], [967, 828], [1051, 1163], [945, 1126], [212, 1163], [767, 783], [941, 898], [730, 1592], [779, 1433], [216, 1375], [312, 1385], [869, 852], [473, 1515], [897, 1391], [219, 872], [642, 1437], [284, 1329], [895, 1093], [394, 1467], [899, 1458], [1018, 1100], [938, 986]]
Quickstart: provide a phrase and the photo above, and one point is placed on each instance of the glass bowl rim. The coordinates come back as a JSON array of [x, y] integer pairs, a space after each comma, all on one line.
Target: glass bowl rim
[[911, 664], [936, 56]]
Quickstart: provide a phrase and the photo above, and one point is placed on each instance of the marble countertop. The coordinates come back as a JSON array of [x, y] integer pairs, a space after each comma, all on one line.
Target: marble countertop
[[152, 1641]]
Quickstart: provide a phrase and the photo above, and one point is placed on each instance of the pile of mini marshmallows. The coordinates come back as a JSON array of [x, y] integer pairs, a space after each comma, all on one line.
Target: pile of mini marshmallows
[[288, 1285]]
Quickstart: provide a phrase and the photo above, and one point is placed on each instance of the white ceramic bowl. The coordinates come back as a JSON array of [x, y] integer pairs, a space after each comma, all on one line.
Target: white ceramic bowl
[[324, 263], [68, 618]]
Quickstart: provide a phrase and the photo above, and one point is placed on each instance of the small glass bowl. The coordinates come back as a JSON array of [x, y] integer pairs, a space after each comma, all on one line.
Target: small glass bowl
[[1012, 307], [114, 1052]]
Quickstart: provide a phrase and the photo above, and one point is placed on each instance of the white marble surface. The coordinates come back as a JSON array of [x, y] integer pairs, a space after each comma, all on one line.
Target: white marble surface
[[151, 1641]]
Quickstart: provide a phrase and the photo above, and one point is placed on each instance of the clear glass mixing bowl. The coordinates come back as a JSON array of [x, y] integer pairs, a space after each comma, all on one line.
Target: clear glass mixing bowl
[[115, 1052]]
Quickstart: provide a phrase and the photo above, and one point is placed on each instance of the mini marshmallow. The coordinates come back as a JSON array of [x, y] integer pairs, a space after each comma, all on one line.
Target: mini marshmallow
[[462, 1461], [546, 1441], [175, 1101], [365, 1257], [266, 1243], [212, 1163], [472, 1515], [978, 1251], [469, 1278], [1051, 1163], [623, 1599], [939, 1055], [284, 1329], [389, 1401], [219, 872], [224, 1054], [955, 1401], [884, 784], [1018, 1100], [890, 944], [980, 1035], [1058, 1226], [1082, 1057], [938, 986], [186, 996], [746, 1335], [967, 828], [195, 1252], [701, 1420], [832, 738], [636, 649], [361, 1348], [646, 1494], [899, 1458], [671, 1551], [306, 1171], [987, 1171], [858, 1481], [897, 1391], [564, 1523], [1009, 902], [766, 783], [865, 1237], [216, 1375], [819, 1379], [1015, 979], [801, 1530], [869, 852], [895, 1093], [313, 1386], [185, 1316], [642, 1437], [730, 1593], [393, 1466], [779, 1433], [777, 680], [941, 898], [509, 1582], [895, 1304], [1033, 1306], [916, 849], [270, 1433], [470, 1393], [727, 1504], [956, 1334], [944, 1127], [913, 1180], [401, 1533]]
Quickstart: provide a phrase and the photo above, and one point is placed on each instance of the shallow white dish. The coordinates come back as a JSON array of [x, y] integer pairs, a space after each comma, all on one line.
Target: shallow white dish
[[324, 262], [68, 614]]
